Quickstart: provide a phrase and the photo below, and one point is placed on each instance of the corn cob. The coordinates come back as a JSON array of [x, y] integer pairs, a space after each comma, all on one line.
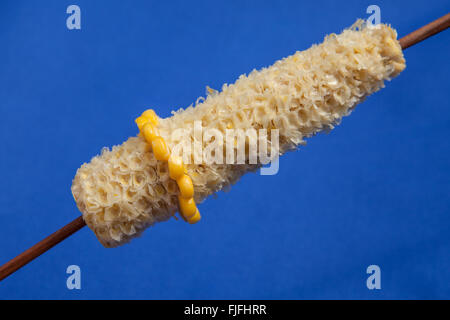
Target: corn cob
[[124, 190]]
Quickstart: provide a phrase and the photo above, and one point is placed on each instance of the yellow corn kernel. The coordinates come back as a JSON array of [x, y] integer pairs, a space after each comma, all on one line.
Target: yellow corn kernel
[[149, 132], [151, 116], [186, 187], [196, 218], [176, 167], [140, 122], [160, 149], [187, 207]]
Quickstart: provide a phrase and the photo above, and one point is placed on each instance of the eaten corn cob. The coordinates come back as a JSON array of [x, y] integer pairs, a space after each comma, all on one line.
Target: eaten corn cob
[[124, 190]]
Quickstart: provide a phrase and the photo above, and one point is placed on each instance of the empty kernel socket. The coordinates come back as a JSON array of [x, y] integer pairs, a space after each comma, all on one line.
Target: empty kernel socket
[[125, 190]]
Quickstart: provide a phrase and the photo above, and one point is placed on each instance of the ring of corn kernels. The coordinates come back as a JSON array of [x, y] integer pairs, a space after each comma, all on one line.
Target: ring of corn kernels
[[147, 123]]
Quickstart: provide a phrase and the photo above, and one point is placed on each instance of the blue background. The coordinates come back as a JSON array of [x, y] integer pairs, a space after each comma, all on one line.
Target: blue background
[[376, 190]]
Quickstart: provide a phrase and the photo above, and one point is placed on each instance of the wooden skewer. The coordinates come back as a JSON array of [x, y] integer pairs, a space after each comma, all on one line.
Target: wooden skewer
[[425, 32], [35, 251], [41, 247]]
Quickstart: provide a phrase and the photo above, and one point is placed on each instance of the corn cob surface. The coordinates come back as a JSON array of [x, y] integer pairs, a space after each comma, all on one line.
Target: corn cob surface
[[124, 190]]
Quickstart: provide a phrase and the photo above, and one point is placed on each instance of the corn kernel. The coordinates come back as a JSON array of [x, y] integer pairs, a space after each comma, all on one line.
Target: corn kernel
[[196, 218], [187, 207], [186, 186], [140, 122], [160, 149], [176, 167], [151, 116], [150, 132]]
